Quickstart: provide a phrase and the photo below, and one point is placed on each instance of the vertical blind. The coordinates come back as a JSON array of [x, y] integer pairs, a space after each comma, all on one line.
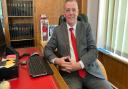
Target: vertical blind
[[112, 31], [0, 9]]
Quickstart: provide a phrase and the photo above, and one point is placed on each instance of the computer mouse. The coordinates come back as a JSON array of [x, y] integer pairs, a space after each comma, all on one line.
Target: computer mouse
[[23, 55], [35, 53]]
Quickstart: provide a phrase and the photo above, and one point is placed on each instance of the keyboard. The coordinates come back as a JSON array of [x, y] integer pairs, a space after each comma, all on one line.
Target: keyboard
[[38, 66]]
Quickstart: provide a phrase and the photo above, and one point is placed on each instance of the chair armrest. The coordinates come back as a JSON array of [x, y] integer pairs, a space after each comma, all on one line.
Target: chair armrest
[[102, 68]]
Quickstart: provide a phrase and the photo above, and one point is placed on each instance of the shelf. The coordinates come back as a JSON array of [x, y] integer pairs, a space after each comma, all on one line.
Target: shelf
[[20, 40], [20, 16], [23, 44], [20, 22]]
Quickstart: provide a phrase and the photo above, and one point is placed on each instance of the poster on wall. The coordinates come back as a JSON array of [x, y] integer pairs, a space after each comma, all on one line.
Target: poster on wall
[[50, 31], [44, 26]]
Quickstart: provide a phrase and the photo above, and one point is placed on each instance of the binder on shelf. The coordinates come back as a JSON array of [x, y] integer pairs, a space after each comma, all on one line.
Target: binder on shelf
[[21, 31], [20, 8], [21, 34]]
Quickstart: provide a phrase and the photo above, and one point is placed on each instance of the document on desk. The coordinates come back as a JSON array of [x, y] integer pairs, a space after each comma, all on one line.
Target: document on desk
[[8, 62]]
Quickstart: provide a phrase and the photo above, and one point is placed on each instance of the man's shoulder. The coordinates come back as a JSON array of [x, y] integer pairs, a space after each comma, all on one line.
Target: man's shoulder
[[83, 24], [61, 26]]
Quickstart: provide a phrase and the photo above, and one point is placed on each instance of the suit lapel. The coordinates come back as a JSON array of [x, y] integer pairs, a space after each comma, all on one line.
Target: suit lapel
[[78, 35], [66, 39]]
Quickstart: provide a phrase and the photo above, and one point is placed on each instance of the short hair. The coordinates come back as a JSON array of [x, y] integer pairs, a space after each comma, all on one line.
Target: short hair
[[70, 0]]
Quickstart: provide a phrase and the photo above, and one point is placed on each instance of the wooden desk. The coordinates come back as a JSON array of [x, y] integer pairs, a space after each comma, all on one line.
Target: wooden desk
[[57, 76], [24, 81], [60, 81]]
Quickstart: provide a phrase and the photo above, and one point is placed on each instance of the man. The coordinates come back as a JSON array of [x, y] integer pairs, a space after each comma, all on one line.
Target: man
[[77, 54]]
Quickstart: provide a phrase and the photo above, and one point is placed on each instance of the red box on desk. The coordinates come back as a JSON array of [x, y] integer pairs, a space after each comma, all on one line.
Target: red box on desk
[[10, 72]]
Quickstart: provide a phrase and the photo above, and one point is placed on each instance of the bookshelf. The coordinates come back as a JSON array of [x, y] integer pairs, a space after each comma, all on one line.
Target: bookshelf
[[19, 22]]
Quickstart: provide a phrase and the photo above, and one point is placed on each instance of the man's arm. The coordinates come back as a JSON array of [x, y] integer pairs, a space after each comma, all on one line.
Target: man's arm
[[49, 50], [91, 54]]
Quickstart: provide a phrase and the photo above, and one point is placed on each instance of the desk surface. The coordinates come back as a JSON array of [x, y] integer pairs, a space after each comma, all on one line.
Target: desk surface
[[24, 81]]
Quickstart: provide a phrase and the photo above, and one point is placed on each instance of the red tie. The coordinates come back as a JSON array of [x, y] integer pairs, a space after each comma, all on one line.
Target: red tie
[[82, 73]]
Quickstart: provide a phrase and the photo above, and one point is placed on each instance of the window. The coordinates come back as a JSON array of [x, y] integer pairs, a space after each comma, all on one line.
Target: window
[[1, 15], [113, 26], [0, 9]]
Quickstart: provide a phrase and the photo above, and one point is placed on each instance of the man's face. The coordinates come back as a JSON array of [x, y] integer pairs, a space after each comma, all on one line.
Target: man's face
[[71, 12]]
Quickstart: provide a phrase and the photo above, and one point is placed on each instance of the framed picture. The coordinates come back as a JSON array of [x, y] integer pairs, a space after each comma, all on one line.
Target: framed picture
[[51, 29]]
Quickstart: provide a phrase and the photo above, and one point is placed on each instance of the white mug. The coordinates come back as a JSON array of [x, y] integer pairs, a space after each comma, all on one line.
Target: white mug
[[4, 85]]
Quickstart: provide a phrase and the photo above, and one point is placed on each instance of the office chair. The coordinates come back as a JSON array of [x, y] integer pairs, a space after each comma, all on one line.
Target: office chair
[[2, 40], [4, 49], [102, 68], [82, 17]]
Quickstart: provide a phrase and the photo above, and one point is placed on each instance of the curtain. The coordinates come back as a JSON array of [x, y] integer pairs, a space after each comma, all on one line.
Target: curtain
[[0, 9], [113, 26]]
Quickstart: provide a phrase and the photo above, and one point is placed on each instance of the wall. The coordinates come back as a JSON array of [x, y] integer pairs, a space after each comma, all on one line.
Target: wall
[[92, 13], [0, 9]]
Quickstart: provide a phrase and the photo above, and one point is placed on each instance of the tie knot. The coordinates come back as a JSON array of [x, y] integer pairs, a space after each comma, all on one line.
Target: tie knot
[[71, 29]]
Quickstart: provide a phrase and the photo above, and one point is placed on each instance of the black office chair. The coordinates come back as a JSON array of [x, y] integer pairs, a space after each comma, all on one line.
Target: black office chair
[[2, 41], [4, 49], [81, 17]]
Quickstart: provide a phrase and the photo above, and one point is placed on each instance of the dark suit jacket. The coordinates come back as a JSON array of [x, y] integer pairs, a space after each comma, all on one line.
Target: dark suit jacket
[[85, 45]]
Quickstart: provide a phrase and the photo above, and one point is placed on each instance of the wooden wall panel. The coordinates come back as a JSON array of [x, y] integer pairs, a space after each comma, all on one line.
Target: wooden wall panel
[[82, 4], [52, 8], [117, 71]]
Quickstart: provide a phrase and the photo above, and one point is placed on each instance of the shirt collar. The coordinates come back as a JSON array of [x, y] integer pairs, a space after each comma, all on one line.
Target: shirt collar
[[74, 27]]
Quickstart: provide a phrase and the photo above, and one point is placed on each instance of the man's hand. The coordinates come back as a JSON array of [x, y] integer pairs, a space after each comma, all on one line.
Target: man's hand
[[67, 64], [63, 62], [74, 66]]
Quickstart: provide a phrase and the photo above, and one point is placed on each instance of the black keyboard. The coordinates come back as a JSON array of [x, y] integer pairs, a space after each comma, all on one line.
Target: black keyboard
[[38, 66]]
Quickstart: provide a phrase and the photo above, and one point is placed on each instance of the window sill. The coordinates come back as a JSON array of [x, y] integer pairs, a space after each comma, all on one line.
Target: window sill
[[115, 56]]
